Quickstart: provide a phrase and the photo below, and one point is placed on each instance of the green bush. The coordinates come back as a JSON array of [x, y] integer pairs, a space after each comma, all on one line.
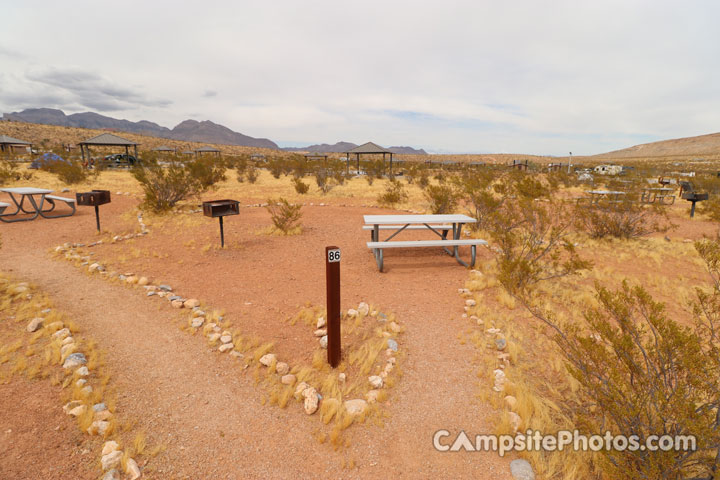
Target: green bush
[[69, 173], [442, 198], [300, 186], [394, 193], [166, 185], [284, 215], [625, 219]]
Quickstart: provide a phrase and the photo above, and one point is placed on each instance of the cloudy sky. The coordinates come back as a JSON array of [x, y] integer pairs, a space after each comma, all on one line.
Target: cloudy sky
[[453, 76]]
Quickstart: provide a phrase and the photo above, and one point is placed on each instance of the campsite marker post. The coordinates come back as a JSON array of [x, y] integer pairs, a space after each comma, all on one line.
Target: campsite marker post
[[332, 279]]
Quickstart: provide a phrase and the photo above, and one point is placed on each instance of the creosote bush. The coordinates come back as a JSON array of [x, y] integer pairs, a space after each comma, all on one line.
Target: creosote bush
[[69, 173], [625, 219], [166, 185], [300, 186], [442, 198], [284, 215], [394, 193]]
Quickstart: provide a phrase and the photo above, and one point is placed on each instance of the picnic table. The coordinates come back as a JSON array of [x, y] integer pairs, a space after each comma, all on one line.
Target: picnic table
[[19, 195], [650, 195], [439, 225]]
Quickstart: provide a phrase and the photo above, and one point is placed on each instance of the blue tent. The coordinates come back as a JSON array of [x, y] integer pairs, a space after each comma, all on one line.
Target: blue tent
[[47, 159]]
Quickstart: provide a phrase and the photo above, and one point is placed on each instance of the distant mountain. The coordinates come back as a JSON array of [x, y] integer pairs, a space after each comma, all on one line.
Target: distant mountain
[[700, 145], [342, 147], [189, 130]]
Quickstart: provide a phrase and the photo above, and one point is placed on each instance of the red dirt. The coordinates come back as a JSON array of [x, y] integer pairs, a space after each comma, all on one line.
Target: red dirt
[[194, 400], [37, 440]]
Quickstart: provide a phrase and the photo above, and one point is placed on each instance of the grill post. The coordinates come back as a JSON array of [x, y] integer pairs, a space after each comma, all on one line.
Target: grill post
[[222, 233], [332, 280], [97, 217]]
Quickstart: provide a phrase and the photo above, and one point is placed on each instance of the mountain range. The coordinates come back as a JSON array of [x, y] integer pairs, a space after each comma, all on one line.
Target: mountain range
[[342, 147], [188, 130]]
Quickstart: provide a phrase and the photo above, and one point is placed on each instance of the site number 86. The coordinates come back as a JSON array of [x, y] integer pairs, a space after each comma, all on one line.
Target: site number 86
[[333, 256]]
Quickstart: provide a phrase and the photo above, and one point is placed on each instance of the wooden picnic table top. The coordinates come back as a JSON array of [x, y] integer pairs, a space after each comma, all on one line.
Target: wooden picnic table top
[[416, 219], [26, 190]]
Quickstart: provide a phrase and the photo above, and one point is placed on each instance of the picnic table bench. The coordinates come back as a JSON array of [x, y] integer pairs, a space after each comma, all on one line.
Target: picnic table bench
[[35, 207], [440, 225], [650, 195]]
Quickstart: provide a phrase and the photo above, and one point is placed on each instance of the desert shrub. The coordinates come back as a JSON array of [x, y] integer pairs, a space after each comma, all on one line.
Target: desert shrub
[[375, 169], [337, 171], [69, 173], [625, 219], [166, 185], [323, 179], [207, 172], [442, 198], [284, 215], [423, 179], [394, 193], [300, 186], [276, 166], [252, 173], [8, 171]]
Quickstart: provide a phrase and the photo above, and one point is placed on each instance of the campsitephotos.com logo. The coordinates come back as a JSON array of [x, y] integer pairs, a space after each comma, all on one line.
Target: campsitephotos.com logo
[[533, 440]]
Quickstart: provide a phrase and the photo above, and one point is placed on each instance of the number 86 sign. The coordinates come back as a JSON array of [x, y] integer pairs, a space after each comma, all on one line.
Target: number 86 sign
[[333, 255]]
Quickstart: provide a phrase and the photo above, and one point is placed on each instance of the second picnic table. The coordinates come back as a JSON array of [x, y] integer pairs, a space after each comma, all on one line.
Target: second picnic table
[[36, 206], [440, 225]]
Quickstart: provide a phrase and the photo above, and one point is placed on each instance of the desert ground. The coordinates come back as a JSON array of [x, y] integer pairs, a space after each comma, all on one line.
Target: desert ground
[[182, 405]]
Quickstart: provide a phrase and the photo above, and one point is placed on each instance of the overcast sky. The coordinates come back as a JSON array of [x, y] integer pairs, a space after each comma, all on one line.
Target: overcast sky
[[453, 76]]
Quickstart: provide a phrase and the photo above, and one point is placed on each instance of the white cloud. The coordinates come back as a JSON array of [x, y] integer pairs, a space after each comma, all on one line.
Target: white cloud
[[523, 76]]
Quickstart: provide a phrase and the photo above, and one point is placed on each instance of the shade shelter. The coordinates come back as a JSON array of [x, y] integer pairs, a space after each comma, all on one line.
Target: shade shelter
[[8, 143], [201, 150], [163, 149], [368, 148], [258, 157], [106, 140], [316, 156]]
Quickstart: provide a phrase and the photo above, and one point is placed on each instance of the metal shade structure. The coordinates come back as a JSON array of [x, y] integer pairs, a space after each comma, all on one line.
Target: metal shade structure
[[106, 140], [368, 148], [200, 150], [8, 143], [163, 148]]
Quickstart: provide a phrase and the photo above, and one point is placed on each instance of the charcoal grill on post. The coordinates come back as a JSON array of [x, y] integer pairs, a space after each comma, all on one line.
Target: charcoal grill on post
[[220, 209], [94, 199], [694, 197]]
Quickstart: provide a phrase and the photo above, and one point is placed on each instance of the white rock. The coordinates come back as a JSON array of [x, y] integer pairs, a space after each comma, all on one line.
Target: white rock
[[311, 400], [35, 324], [342, 377], [111, 460], [214, 337], [192, 303], [197, 322], [363, 308], [98, 427], [268, 359], [375, 381], [320, 332], [111, 475], [321, 322], [288, 379], [82, 372], [68, 340], [510, 402], [521, 470], [109, 447], [132, 469], [323, 341], [77, 411], [61, 334], [515, 421], [67, 349], [71, 405], [356, 406], [470, 302], [301, 387], [226, 347], [237, 354], [81, 382], [226, 339], [394, 327], [282, 368], [352, 312]]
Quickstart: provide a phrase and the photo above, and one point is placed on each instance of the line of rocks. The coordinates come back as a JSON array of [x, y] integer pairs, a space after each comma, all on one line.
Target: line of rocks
[[74, 364], [520, 469]]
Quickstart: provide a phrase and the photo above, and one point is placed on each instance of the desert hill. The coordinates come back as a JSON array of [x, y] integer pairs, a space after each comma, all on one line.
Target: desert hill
[[188, 130], [702, 145]]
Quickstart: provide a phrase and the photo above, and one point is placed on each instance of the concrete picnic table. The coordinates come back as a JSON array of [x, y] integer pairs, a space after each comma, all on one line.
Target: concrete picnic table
[[439, 224], [596, 195], [36, 206]]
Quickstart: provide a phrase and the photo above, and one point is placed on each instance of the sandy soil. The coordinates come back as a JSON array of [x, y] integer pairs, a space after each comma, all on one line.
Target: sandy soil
[[37, 440], [195, 402]]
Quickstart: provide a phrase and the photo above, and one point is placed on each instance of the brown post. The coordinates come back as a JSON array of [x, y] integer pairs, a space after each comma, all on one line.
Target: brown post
[[332, 280]]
